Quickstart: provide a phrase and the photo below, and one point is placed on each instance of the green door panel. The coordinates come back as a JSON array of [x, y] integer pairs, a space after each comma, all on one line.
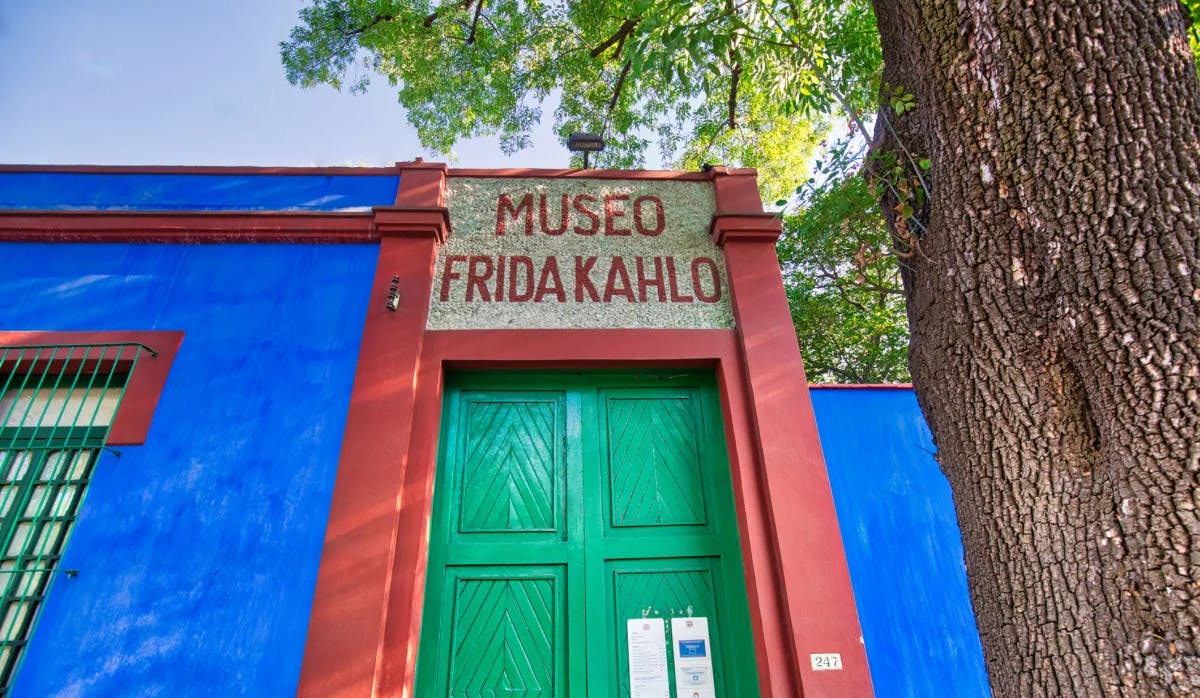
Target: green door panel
[[653, 460], [565, 504], [661, 589], [504, 635], [511, 471]]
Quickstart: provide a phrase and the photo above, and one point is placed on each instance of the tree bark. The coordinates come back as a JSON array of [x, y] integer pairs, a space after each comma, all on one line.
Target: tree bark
[[1054, 304]]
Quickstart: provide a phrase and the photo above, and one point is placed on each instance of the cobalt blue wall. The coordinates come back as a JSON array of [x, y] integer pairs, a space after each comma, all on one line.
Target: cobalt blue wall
[[902, 544], [197, 552], [76, 191]]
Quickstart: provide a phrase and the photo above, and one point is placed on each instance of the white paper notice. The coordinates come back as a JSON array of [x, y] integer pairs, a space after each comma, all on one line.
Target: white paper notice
[[693, 658], [648, 658]]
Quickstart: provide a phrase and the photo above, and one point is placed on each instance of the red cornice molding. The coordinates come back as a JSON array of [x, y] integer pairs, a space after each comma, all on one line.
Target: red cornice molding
[[392, 170], [193, 227], [413, 221], [200, 169], [535, 173], [418, 209], [189, 227], [748, 227]]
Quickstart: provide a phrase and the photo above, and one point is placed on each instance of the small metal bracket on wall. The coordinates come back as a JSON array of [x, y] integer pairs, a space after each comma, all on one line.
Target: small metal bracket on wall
[[393, 299], [68, 572]]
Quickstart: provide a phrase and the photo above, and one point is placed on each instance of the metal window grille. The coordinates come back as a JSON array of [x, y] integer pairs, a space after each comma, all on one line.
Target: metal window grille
[[57, 404]]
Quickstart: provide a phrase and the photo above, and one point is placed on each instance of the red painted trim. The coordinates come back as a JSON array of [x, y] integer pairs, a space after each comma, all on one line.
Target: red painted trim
[[413, 221], [199, 169], [762, 227], [466, 349], [354, 581], [146, 383], [736, 191], [861, 386], [399, 166], [411, 497], [817, 600], [424, 184], [366, 622], [579, 174], [188, 227]]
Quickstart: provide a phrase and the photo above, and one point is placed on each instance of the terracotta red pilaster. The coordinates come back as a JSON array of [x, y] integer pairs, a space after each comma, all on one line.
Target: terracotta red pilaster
[[344, 647], [816, 598]]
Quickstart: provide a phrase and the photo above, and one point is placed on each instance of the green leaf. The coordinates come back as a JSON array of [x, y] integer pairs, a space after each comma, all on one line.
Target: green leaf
[[455, 85]]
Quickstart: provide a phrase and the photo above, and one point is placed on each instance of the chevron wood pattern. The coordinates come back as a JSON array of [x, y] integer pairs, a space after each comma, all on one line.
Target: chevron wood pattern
[[655, 462], [503, 642], [508, 468], [660, 593]]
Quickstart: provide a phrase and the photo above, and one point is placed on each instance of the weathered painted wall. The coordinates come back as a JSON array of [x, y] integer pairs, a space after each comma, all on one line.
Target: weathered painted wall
[[902, 544], [197, 552], [80, 191]]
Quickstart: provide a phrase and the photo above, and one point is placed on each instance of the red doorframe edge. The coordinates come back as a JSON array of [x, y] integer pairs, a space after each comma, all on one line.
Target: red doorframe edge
[[146, 383], [463, 349], [366, 619]]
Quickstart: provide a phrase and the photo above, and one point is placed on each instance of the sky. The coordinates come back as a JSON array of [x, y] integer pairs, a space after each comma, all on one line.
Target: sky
[[168, 82]]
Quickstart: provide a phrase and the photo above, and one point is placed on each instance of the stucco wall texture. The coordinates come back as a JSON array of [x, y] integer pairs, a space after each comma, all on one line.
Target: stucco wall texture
[[197, 552], [902, 544], [681, 235]]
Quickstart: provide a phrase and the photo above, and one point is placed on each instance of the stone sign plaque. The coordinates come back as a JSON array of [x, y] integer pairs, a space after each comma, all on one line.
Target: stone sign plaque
[[579, 253]]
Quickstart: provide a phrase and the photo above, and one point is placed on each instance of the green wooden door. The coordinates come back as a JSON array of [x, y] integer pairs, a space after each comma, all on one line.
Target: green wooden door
[[566, 504]]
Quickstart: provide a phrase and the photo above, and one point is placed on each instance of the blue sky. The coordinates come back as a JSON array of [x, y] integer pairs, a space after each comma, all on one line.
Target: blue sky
[[135, 82]]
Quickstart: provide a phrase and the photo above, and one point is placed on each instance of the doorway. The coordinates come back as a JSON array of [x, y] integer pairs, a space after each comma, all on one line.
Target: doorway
[[567, 504]]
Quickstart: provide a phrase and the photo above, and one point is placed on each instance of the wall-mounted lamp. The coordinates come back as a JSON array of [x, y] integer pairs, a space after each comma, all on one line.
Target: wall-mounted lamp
[[585, 143], [393, 300]]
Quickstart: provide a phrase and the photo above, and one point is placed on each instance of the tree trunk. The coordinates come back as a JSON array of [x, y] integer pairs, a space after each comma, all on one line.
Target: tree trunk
[[1054, 302]]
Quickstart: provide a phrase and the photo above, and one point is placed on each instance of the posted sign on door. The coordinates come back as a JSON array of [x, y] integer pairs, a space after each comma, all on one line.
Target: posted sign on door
[[692, 649], [693, 658], [648, 658]]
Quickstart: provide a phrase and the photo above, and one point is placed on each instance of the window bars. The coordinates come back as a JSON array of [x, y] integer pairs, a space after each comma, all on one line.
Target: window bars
[[57, 404]]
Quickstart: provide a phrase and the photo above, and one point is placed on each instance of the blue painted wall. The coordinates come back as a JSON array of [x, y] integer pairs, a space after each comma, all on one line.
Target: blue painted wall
[[902, 544], [197, 552], [82, 191]]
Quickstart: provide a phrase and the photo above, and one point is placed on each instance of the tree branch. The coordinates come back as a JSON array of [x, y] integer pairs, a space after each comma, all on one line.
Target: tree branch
[[612, 103], [475, 22], [433, 17], [733, 94], [736, 66], [849, 376], [375, 21], [623, 31]]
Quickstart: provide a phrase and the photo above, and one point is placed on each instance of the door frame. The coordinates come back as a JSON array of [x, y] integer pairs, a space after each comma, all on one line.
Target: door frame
[[590, 643], [716, 350], [364, 630]]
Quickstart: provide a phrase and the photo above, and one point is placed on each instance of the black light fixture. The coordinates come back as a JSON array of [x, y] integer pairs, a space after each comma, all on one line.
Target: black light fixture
[[585, 143], [393, 299]]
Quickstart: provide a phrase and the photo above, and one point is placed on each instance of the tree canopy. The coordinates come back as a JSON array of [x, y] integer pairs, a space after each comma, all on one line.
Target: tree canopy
[[843, 286], [680, 73], [741, 83]]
